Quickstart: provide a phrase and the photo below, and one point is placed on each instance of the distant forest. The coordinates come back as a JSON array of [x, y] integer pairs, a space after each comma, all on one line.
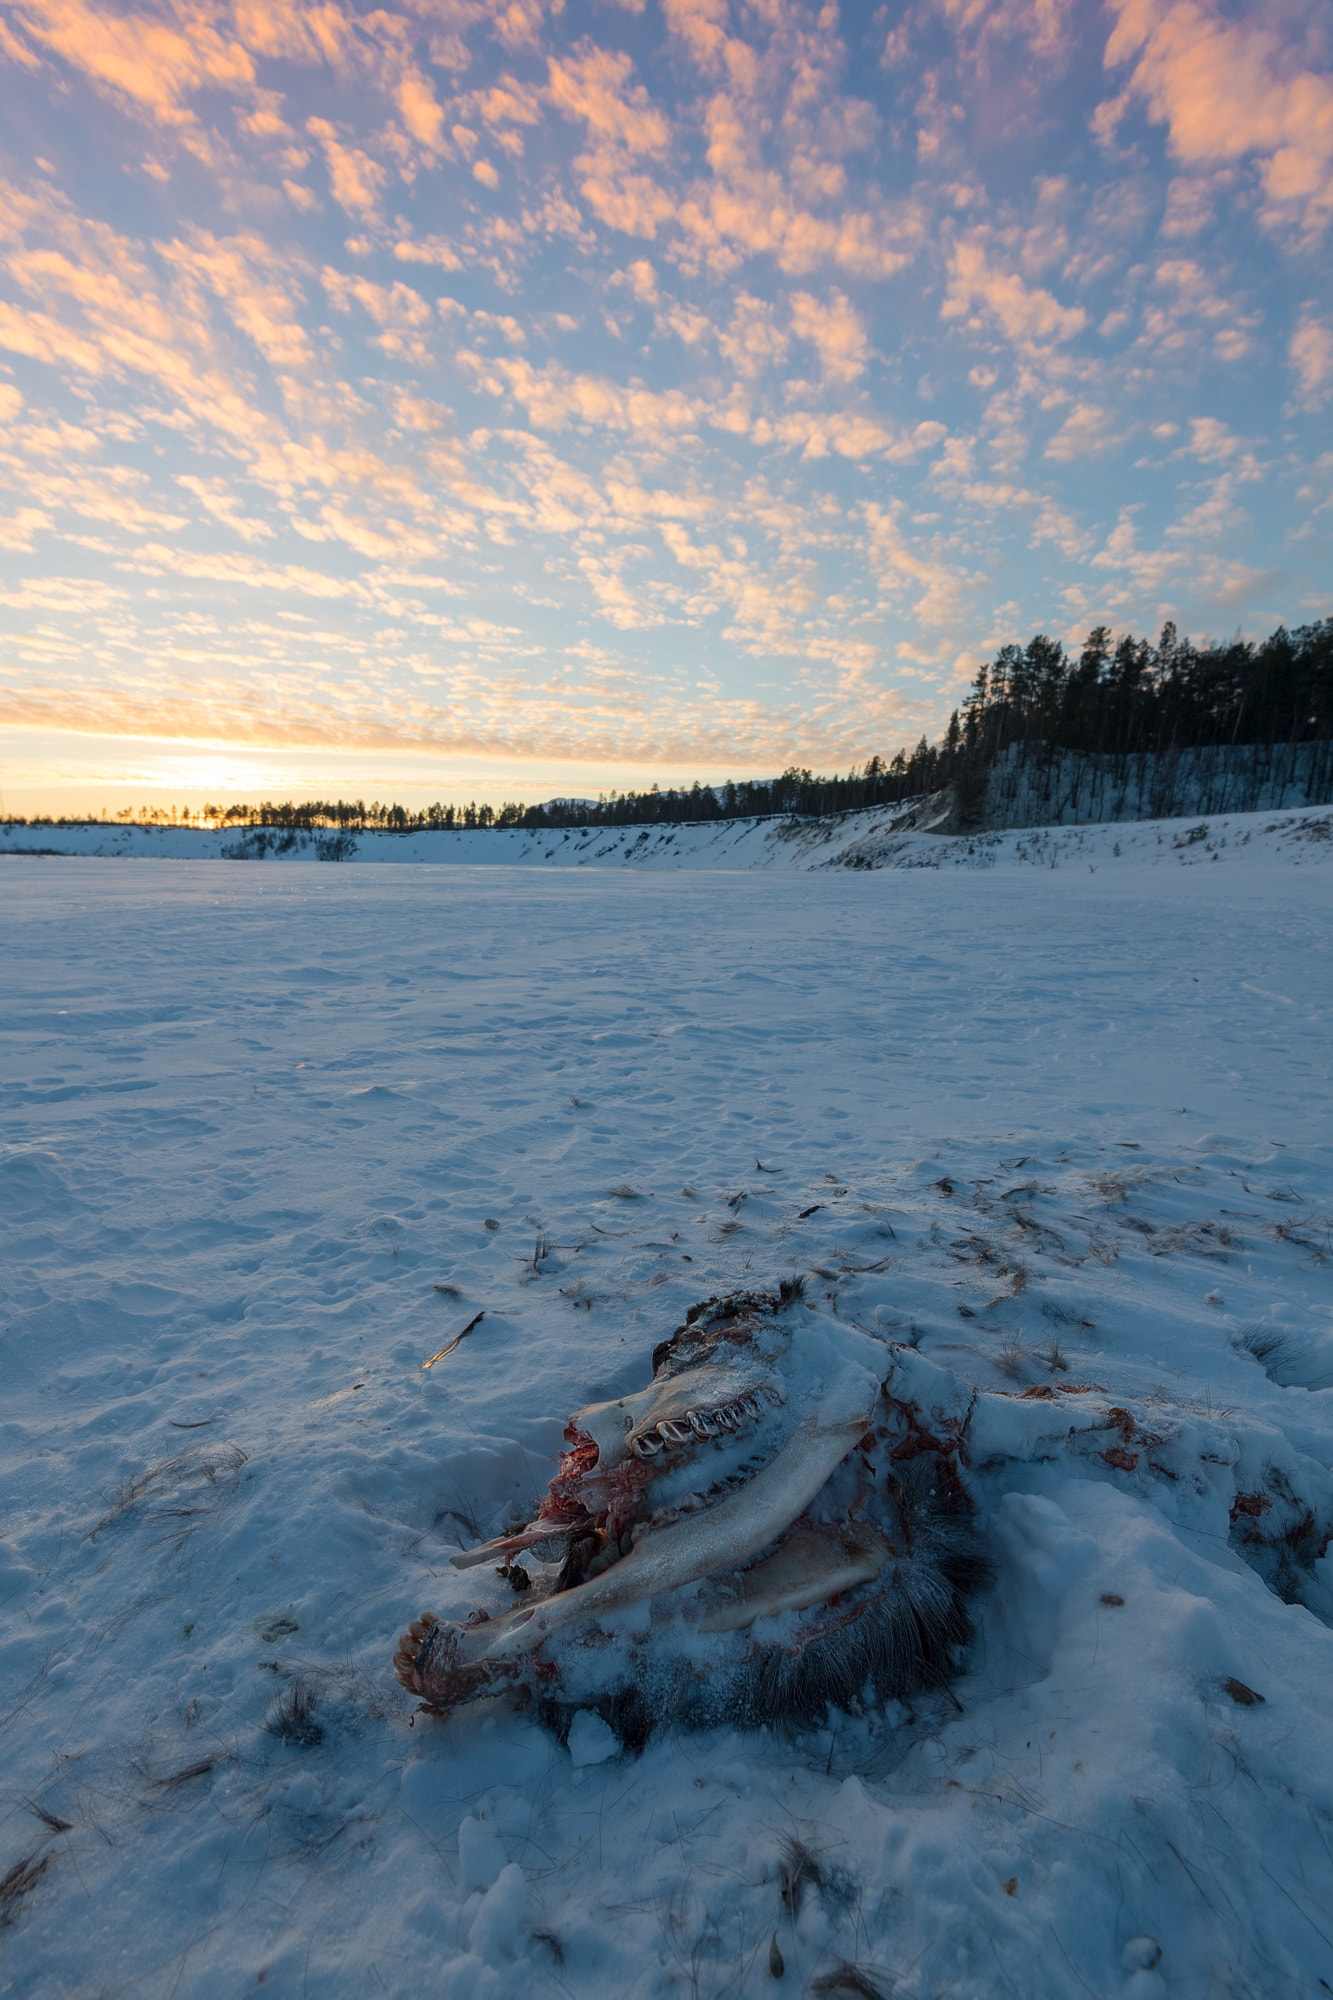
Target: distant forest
[[1116, 698]]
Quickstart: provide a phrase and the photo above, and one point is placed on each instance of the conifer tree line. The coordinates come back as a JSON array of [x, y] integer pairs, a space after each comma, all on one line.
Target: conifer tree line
[[1114, 698], [1129, 697]]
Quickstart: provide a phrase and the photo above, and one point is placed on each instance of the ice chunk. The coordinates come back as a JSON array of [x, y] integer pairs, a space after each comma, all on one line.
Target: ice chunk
[[591, 1741], [481, 1855]]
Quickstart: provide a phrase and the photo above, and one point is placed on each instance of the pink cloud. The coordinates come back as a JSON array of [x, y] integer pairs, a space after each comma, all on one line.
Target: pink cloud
[[218, 500], [1228, 90], [750, 210], [154, 63], [594, 85], [420, 110], [354, 178], [241, 272], [216, 566], [435, 250], [1088, 430], [851, 434], [43, 338], [1043, 24], [1311, 355], [702, 26], [1027, 315], [17, 531], [753, 342], [837, 332], [553, 398]]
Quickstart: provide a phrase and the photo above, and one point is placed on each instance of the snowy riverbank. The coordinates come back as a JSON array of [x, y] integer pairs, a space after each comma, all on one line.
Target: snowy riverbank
[[882, 837], [273, 1135]]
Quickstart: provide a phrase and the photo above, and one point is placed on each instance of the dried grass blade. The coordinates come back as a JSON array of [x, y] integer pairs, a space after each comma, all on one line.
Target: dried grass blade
[[455, 1342]]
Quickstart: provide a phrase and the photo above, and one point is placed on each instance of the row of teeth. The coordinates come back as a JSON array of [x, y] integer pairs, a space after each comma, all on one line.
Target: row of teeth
[[409, 1645], [698, 1424]]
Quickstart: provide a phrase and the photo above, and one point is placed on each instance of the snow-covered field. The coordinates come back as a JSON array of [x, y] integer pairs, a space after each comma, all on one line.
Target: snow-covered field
[[274, 1134]]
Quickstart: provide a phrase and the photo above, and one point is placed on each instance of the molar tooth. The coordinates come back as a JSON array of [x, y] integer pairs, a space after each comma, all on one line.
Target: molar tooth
[[701, 1425], [726, 1419], [647, 1446], [674, 1433]]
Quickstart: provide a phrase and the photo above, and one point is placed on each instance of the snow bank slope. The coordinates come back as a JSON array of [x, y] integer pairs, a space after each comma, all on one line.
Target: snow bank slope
[[764, 843], [880, 838], [1059, 1131]]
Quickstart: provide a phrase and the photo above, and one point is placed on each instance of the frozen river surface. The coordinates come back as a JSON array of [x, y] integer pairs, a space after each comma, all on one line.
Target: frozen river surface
[[274, 1133]]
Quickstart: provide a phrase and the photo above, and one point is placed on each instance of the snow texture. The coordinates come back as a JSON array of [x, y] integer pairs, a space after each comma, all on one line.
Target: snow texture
[[880, 837], [1052, 1126]]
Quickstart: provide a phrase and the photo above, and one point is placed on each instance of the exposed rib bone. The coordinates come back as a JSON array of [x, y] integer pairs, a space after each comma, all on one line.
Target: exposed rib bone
[[512, 1545], [718, 1538], [812, 1564]]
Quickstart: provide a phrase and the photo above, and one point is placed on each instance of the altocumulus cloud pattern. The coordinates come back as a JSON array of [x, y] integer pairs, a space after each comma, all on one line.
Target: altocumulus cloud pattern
[[667, 380]]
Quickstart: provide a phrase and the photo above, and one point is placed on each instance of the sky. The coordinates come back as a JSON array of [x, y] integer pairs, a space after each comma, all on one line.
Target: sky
[[502, 398]]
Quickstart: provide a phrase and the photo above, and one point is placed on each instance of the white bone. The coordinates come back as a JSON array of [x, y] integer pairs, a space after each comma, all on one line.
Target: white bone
[[511, 1545], [612, 1426], [811, 1565], [698, 1546]]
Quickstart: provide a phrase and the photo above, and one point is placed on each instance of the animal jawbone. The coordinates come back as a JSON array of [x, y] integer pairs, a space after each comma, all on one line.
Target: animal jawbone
[[718, 1538], [780, 1417]]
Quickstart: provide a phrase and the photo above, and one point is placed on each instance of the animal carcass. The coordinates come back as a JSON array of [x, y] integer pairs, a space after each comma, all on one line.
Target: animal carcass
[[769, 1528]]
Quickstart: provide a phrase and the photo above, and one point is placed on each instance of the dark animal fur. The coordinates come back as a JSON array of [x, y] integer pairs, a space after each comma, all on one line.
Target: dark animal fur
[[907, 1638]]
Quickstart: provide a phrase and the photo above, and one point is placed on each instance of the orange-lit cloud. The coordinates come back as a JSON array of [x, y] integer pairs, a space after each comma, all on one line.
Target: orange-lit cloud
[[1229, 90], [587, 725], [1028, 316], [1311, 354], [156, 63]]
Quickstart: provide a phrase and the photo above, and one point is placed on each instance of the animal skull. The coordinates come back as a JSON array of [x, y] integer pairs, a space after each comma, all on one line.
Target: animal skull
[[761, 1531]]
